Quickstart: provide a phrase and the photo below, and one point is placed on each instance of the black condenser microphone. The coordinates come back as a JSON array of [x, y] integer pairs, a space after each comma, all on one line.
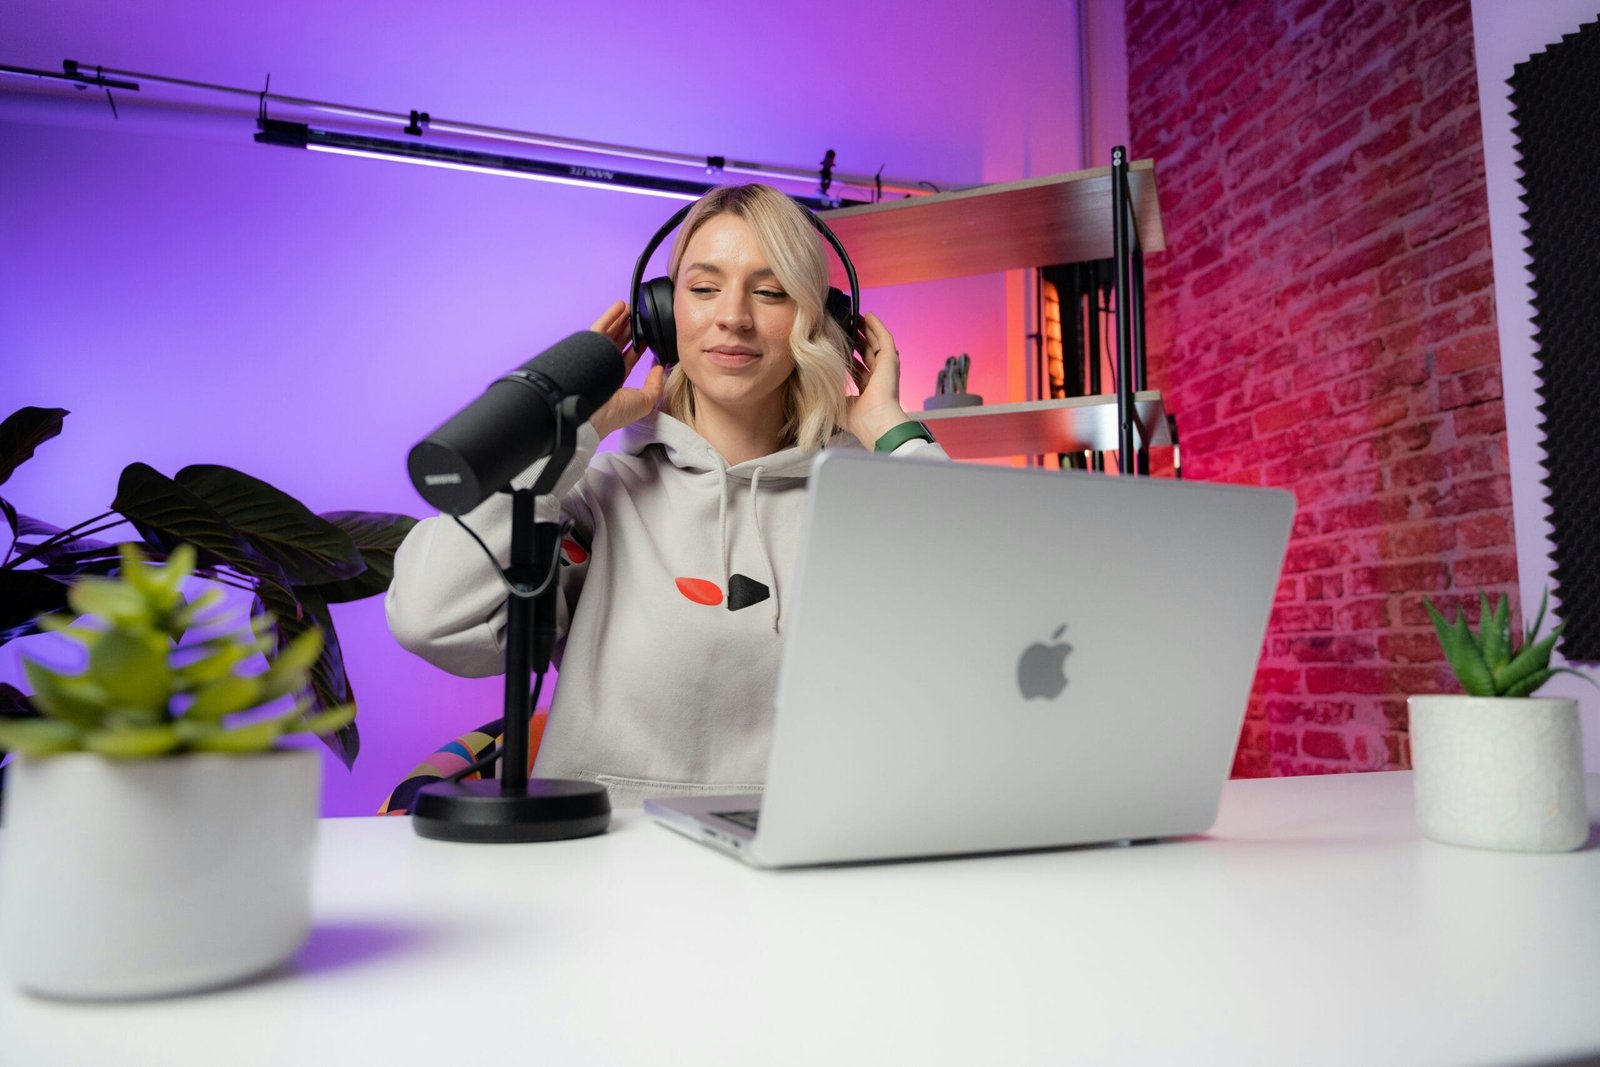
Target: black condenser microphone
[[493, 439]]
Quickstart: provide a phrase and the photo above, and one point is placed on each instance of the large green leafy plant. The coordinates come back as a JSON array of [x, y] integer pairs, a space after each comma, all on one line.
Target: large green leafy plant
[[247, 533], [145, 691], [1488, 663]]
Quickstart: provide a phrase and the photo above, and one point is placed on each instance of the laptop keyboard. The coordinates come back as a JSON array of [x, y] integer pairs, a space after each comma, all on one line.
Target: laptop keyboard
[[746, 819]]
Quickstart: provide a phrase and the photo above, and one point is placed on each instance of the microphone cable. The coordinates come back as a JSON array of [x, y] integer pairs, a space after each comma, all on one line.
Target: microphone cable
[[488, 759], [512, 588], [515, 590]]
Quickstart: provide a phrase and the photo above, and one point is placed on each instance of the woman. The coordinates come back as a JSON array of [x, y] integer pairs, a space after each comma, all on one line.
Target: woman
[[683, 542]]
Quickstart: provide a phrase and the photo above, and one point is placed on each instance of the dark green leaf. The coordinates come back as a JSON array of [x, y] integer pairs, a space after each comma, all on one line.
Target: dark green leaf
[[23, 431], [376, 535], [14, 704], [167, 514], [1538, 622], [13, 520], [309, 549], [25, 595], [1575, 674], [1494, 624], [1529, 660], [1462, 651], [297, 611], [85, 559], [344, 742], [1527, 686], [27, 526]]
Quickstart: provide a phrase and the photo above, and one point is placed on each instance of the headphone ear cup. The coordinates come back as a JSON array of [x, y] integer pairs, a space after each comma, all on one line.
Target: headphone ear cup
[[838, 307], [839, 310], [659, 332]]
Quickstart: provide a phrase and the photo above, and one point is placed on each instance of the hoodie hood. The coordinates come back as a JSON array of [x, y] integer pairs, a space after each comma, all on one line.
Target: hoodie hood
[[688, 451], [692, 454]]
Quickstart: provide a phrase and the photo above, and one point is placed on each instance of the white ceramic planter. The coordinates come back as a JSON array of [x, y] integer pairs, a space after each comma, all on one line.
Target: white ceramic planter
[[151, 877], [1499, 772]]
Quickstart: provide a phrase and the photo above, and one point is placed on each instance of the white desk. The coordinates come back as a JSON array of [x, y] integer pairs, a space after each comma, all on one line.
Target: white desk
[[1312, 926]]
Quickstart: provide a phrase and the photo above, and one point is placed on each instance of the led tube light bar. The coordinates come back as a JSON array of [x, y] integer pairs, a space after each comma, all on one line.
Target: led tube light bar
[[300, 135], [479, 168]]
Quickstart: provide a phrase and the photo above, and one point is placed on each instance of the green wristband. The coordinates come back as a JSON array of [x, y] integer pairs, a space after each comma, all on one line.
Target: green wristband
[[899, 435]]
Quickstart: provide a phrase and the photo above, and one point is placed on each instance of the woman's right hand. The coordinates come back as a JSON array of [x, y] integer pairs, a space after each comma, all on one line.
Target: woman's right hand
[[627, 405]]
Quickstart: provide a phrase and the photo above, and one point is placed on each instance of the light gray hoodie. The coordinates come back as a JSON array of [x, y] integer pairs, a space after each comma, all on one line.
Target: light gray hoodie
[[670, 614]]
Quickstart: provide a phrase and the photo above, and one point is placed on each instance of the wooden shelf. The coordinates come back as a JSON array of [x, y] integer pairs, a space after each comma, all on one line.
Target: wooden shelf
[[1078, 424], [1038, 222]]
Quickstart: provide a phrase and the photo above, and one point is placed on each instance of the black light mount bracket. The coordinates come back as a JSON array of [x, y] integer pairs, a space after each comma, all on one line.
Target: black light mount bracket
[[73, 70], [419, 122], [825, 175], [279, 132]]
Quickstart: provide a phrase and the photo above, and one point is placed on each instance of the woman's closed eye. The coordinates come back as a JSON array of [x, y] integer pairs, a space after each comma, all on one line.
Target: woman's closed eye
[[765, 292]]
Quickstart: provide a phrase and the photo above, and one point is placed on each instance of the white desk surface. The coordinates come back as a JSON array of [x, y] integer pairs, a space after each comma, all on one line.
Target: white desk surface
[[1312, 925]]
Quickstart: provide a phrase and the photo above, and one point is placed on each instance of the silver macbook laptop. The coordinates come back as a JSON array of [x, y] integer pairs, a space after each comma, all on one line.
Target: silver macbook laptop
[[985, 659]]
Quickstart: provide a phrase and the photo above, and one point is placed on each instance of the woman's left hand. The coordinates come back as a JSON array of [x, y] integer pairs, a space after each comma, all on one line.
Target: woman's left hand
[[877, 410]]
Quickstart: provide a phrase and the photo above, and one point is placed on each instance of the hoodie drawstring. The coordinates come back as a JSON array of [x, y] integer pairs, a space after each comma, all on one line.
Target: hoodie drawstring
[[722, 525], [761, 540]]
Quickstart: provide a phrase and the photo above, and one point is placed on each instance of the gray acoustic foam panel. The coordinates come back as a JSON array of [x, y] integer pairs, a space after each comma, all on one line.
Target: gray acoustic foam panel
[[1555, 98]]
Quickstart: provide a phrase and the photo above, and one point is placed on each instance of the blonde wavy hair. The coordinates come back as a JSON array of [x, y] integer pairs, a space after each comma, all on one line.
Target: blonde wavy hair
[[814, 395]]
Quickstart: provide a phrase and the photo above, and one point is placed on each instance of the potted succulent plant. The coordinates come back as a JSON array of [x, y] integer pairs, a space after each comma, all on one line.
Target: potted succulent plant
[[249, 534], [1499, 767], [156, 838]]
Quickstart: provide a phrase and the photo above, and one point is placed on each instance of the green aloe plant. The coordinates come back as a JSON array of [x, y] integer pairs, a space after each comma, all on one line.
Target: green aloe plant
[[1487, 663], [249, 534], [146, 691]]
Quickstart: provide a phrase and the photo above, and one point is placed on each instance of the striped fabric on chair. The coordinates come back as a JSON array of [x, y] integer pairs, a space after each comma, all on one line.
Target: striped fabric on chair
[[452, 756]]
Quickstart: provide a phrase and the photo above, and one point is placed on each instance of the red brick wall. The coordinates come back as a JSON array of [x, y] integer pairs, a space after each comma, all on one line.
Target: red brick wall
[[1323, 320]]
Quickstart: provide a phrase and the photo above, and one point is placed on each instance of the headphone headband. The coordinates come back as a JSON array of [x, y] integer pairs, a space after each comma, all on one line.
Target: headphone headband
[[644, 261]]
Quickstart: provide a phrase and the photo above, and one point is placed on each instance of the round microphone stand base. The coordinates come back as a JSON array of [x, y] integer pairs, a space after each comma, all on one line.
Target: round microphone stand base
[[549, 809]]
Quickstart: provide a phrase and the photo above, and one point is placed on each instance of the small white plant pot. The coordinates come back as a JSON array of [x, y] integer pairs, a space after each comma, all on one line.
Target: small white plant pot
[[1499, 772], [139, 878]]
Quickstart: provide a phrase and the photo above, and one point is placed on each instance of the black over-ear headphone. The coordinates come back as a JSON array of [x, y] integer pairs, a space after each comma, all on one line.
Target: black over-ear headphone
[[655, 329]]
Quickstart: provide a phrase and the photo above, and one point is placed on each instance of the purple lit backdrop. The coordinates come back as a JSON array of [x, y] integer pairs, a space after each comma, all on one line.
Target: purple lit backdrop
[[194, 297]]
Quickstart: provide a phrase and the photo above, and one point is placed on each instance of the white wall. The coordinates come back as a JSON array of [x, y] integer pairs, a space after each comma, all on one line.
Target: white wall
[[1506, 34]]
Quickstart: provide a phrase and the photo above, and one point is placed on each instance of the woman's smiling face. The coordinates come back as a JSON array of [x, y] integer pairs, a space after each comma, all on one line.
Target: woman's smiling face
[[733, 319]]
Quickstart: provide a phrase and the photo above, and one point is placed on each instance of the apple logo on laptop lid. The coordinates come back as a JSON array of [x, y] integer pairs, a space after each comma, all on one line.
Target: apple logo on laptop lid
[[1042, 670]]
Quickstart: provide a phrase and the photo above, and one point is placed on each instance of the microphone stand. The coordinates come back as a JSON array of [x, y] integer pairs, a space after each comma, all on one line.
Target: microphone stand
[[517, 808]]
